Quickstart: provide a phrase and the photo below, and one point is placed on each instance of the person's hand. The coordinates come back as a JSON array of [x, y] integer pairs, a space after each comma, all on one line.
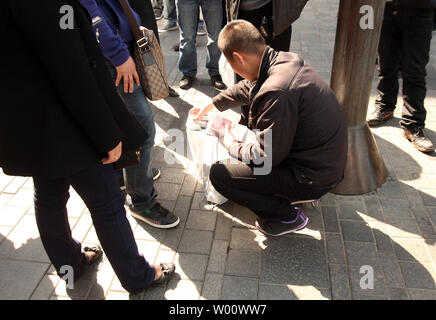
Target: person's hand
[[113, 155], [199, 113], [228, 139], [127, 72]]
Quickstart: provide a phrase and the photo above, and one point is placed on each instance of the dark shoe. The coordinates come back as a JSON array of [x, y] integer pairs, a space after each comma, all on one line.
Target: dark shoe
[[172, 93], [379, 116], [217, 82], [201, 29], [168, 25], [279, 228], [167, 271], [158, 12], [93, 253], [176, 46], [156, 173], [419, 139], [186, 82], [158, 217]]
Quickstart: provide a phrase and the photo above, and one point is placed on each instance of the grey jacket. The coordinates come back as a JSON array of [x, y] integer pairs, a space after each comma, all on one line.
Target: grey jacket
[[285, 12]]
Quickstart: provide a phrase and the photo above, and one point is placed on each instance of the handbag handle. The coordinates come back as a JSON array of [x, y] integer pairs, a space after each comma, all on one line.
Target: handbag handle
[[141, 40]]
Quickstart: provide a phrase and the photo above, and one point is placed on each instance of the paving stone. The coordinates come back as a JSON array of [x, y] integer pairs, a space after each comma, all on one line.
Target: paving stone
[[243, 263], [381, 235], [223, 229], [19, 278], [396, 208], [218, 256], [45, 288], [201, 220], [243, 216], [335, 248], [290, 292], [330, 219], [172, 175], [403, 228], [167, 191], [356, 231], [194, 241], [24, 243], [420, 294], [339, 282], [191, 266], [144, 231], [411, 250], [391, 189], [373, 208], [182, 206], [351, 210], [391, 269], [361, 253], [188, 186], [212, 286], [398, 294], [154, 293], [429, 197], [239, 288], [246, 239], [361, 285], [11, 215], [297, 261], [418, 275], [183, 290]]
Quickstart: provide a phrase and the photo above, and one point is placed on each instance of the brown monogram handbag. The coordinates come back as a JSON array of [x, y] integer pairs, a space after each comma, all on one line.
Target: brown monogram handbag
[[148, 58]]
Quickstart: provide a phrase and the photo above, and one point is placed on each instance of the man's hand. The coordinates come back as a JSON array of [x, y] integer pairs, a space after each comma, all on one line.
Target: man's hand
[[199, 113], [127, 72], [228, 139], [113, 155]]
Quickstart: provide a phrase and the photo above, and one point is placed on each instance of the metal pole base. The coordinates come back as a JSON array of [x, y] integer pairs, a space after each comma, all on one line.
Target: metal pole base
[[365, 170]]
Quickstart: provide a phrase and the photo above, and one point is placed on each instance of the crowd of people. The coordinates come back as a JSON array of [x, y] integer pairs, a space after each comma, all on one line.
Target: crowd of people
[[72, 102]]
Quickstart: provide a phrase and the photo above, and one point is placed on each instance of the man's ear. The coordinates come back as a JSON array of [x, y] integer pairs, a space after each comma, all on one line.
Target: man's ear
[[238, 57]]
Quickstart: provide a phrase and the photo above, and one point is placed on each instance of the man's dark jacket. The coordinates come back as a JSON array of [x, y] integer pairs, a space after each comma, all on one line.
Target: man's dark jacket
[[285, 12], [59, 110], [291, 100]]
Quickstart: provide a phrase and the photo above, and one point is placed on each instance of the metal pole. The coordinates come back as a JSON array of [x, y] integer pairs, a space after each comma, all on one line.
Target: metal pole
[[351, 80]]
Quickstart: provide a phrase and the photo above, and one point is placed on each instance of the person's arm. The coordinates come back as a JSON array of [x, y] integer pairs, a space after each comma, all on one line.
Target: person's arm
[[276, 132], [235, 96], [65, 61], [113, 48]]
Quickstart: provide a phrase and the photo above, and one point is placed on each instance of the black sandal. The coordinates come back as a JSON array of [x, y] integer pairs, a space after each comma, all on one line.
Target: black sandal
[[97, 253], [167, 271]]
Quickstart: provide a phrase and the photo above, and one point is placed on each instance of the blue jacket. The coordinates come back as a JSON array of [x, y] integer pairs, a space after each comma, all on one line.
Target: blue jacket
[[113, 29]]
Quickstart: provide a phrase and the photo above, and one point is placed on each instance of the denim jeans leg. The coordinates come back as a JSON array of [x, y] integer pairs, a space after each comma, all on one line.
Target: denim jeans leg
[[212, 15], [139, 179], [169, 11], [187, 17], [98, 187], [51, 197]]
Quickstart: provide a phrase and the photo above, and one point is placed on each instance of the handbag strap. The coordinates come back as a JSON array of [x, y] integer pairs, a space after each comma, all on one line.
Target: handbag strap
[[141, 40]]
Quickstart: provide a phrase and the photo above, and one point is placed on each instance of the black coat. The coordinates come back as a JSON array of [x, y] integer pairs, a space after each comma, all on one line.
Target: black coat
[[146, 13], [59, 112]]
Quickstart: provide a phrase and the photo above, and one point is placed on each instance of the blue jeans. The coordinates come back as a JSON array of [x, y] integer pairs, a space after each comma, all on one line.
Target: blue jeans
[[187, 17], [99, 189], [139, 179], [169, 11]]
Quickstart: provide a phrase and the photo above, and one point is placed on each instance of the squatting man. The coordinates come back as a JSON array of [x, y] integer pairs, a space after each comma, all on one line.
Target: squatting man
[[283, 96]]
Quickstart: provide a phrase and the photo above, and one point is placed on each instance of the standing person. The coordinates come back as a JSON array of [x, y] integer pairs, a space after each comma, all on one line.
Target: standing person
[[187, 17], [169, 16], [116, 42], [404, 47], [65, 129], [302, 135], [273, 18]]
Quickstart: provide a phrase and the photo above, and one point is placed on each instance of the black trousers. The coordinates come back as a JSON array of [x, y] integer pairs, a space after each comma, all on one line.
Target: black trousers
[[281, 42], [404, 47], [268, 196]]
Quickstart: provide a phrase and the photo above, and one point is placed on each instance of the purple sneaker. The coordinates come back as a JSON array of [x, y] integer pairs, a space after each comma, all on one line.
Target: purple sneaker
[[279, 228]]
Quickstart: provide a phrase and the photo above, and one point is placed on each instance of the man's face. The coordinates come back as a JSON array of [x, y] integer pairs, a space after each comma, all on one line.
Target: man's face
[[242, 66]]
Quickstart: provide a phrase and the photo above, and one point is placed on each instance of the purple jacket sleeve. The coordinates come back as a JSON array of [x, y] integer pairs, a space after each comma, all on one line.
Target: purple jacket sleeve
[[112, 46]]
